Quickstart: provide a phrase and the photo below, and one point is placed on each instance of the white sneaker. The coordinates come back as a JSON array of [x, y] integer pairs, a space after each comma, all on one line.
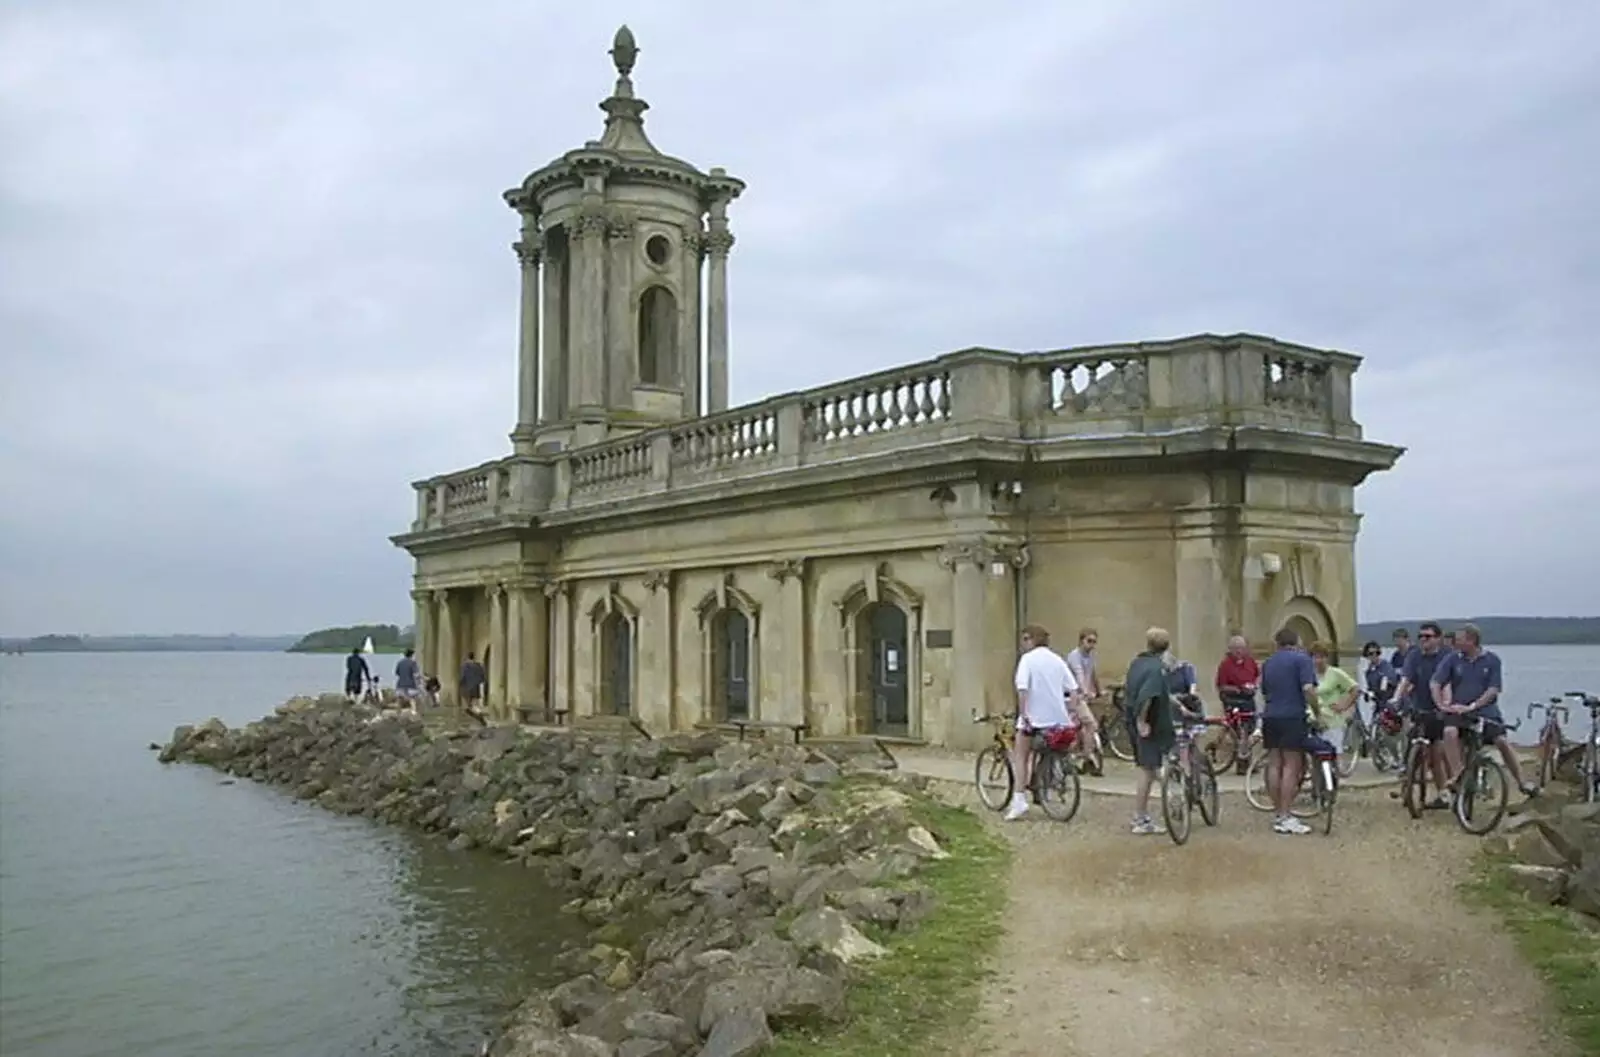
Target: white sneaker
[[1290, 825], [1018, 808], [1145, 827]]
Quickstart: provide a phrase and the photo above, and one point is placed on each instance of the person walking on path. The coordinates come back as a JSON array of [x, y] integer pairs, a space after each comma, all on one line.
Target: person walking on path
[[357, 676], [406, 673], [473, 680], [1149, 716]]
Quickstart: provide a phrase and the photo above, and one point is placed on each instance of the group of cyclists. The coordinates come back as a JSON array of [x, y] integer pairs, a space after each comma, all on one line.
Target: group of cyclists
[[1294, 703]]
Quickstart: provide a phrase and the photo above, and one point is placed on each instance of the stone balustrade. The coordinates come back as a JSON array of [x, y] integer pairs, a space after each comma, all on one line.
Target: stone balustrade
[[1117, 390]]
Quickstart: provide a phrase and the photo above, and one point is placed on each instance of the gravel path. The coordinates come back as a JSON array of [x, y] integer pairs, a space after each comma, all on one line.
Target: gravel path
[[1244, 942]]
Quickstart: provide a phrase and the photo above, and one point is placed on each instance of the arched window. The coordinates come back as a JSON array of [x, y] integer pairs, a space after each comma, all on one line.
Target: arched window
[[882, 635], [730, 633], [616, 665], [658, 337]]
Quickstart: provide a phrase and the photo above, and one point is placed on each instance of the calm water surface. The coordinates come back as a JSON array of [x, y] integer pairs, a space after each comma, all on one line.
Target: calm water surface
[[153, 910]]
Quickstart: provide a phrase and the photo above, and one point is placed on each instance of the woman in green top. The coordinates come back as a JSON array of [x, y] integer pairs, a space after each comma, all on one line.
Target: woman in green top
[[1337, 693]]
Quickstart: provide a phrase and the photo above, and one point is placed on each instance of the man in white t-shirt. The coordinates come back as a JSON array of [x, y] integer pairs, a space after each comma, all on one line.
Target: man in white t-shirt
[[1046, 699]]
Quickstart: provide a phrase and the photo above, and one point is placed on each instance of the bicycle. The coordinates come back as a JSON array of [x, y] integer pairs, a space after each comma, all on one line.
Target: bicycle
[[1386, 745], [1194, 785], [1114, 732], [1482, 782], [1552, 737], [1318, 791], [1589, 761], [1230, 745], [1054, 782], [1414, 774]]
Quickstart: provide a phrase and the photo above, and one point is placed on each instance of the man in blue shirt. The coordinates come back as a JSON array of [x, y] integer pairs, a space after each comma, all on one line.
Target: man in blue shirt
[[1289, 685], [1415, 693], [1467, 683], [1402, 649]]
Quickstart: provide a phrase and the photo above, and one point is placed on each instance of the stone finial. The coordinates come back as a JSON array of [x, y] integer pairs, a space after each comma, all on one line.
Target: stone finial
[[624, 52]]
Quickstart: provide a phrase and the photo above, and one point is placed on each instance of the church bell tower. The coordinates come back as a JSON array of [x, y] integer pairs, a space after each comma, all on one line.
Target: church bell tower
[[624, 254]]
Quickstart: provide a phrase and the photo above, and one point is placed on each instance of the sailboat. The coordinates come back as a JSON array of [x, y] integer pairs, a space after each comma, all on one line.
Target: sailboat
[[367, 648]]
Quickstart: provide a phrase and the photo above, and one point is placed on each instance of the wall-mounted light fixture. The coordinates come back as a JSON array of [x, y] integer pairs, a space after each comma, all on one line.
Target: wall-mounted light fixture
[[1271, 564]]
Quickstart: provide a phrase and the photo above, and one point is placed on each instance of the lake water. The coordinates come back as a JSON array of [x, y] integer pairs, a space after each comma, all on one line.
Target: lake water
[[152, 910]]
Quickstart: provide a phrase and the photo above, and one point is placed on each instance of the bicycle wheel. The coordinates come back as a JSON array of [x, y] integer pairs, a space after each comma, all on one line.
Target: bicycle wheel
[[1056, 786], [1387, 751], [1207, 796], [994, 779], [1175, 803], [1414, 787], [1307, 802], [1221, 749], [1115, 735], [1325, 786], [1352, 749], [1255, 783], [1481, 801]]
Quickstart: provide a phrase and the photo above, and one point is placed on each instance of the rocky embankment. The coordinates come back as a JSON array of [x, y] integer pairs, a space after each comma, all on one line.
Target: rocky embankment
[[733, 887], [1554, 846]]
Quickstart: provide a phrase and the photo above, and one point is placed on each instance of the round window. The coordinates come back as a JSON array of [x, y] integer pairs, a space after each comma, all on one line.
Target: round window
[[657, 249]]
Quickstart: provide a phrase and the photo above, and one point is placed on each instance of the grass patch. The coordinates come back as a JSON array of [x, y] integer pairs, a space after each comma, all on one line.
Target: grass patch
[[922, 996], [1565, 953]]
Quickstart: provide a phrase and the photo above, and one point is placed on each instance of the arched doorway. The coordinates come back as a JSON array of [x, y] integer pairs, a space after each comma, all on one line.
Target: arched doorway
[[882, 632], [1309, 618], [616, 665], [730, 665]]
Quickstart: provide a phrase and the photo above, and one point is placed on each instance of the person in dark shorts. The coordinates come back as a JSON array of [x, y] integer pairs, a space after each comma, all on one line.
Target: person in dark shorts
[[1468, 684], [1289, 685], [1148, 706], [357, 676], [1416, 693], [471, 684]]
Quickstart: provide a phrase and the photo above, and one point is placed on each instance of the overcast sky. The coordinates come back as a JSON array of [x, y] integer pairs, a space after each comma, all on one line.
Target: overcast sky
[[255, 275]]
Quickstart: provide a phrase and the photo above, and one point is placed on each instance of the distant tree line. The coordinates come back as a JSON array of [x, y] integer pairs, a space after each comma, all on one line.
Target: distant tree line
[[1502, 631], [147, 643], [386, 638]]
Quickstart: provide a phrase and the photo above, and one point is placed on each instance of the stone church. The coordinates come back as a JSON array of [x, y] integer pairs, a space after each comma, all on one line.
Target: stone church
[[857, 557]]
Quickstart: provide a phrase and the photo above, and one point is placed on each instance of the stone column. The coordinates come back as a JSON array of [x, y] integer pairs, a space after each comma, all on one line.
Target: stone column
[[530, 650], [516, 651], [690, 368], [970, 637], [496, 702], [657, 675], [528, 416], [719, 240], [421, 636], [587, 316], [447, 663], [560, 591], [556, 381], [621, 334], [789, 642]]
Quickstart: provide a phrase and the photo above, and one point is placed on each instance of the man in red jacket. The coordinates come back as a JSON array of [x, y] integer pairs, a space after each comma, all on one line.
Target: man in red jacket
[[1238, 677]]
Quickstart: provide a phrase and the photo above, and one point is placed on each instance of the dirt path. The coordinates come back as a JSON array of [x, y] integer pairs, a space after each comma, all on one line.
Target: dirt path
[[1238, 943]]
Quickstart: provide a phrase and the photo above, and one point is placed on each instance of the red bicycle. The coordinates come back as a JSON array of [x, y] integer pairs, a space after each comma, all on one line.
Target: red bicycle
[[1229, 742]]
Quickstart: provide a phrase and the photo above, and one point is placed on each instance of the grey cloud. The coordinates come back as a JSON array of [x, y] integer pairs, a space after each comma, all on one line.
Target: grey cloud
[[254, 273]]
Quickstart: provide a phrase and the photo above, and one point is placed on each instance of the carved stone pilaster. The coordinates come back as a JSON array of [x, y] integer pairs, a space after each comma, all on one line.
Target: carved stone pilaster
[[529, 253], [718, 243], [785, 569], [656, 579], [589, 225], [693, 242], [442, 595], [553, 587], [619, 229], [984, 552]]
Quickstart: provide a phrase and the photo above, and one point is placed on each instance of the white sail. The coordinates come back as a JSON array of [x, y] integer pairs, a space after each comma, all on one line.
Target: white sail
[[367, 647]]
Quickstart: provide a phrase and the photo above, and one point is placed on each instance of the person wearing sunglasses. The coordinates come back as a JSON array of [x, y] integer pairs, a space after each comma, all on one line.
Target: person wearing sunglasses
[[1416, 693]]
